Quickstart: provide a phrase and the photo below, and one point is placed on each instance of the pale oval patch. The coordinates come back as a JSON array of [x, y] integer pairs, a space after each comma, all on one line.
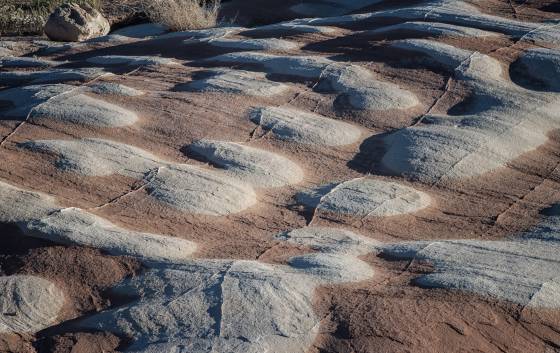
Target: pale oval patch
[[248, 164], [304, 127], [235, 82], [200, 191], [28, 304], [131, 60], [84, 110], [253, 44], [23, 62], [73, 226], [366, 197]]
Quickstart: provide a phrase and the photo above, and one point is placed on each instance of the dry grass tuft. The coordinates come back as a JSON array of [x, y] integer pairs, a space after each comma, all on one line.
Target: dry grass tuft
[[181, 15]]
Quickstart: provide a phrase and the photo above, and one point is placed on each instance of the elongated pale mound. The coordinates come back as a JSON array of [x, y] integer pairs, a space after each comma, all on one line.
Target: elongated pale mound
[[73, 226], [522, 270], [501, 122], [20, 206], [97, 157], [434, 29], [16, 62], [28, 304], [254, 44], [84, 110], [366, 197], [37, 215], [251, 165], [356, 85], [200, 191], [131, 60], [304, 127], [236, 82], [51, 76], [20, 101], [295, 26]]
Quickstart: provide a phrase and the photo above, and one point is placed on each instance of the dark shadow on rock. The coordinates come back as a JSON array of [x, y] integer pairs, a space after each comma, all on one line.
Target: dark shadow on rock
[[14, 245], [7, 106], [14, 242], [553, 210], [379, 52], [365, 45], [371, 152], [552, 7], [519, 74], [172, 48]]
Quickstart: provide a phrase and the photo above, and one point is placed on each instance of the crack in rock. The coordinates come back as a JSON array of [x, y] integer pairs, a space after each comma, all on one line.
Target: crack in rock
[[501, 122], [357, 85], [522, 269], [234, 305], [38, 215], [186, 187]]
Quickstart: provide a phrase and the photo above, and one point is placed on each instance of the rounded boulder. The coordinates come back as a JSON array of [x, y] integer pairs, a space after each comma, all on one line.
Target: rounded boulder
[[75, 23]]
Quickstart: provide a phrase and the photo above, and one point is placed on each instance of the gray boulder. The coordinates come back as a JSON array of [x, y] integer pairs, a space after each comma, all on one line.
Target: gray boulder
[[75, 23]]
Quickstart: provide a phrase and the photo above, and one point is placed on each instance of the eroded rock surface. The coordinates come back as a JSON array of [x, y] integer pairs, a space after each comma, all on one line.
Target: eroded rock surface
[[197, 190], [253, 44], [185, 187], [234, 306], [522, 269], [366, 197], [236, 82], [355, 84], [51, 76], [23, 62], [502, 121], [82, 109], [416, 140], [131, 60], [249, 164], [28, 303], [304, 127], [38, 215]]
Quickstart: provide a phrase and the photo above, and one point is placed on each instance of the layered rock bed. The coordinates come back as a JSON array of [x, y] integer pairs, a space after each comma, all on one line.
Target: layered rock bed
[[364, 176]]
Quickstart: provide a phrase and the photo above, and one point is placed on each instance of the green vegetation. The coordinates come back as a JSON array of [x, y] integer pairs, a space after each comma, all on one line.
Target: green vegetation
[[27, 17]]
